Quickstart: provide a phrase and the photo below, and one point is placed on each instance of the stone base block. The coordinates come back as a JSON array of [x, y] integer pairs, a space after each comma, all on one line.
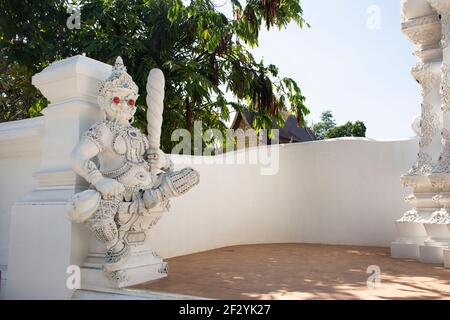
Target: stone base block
[[410, 230], [438, 231], [405, 250], [431, 254], [447, 258], [141, 267]]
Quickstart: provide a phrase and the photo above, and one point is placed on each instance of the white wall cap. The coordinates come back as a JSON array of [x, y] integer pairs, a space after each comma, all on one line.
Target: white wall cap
[[74, 77], [21, 128], [70, 67], [21, 137]]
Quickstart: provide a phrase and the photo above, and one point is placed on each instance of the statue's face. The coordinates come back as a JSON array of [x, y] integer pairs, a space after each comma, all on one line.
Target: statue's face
[[120, 105]]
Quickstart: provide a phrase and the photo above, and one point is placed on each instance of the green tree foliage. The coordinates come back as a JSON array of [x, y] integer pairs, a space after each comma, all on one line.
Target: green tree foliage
[[326, 122], [203, 54], [327, 129], [357, 129], [18, 99]]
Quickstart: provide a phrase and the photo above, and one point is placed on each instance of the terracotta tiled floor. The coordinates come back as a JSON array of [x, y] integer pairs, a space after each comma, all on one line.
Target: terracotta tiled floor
[[300, 271]]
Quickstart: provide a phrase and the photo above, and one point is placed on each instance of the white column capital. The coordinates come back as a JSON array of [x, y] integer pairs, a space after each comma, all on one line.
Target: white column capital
[[71, 86], [72, 78]]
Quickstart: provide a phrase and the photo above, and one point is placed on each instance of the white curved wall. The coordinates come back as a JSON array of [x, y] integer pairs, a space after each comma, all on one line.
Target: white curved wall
[[342, 191]]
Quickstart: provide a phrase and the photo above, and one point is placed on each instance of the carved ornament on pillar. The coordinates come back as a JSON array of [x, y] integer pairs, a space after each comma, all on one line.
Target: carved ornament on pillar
[[441, 216], [443, 165], [411, 216], [408, 181], [424, 75], [422, 166], [429, 123], [425, 33], [445, 18], [445, 87]]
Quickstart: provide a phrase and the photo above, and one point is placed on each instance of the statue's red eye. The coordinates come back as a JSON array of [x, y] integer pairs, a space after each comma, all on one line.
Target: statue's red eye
[[131, 102], [116, 100]]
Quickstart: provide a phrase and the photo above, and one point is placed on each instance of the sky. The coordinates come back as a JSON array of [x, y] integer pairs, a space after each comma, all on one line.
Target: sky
[[354, 61]]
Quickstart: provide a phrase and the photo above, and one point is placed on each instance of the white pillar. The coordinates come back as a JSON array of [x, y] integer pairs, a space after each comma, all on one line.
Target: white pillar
[[43, 242], [422, 26], [438, 227]]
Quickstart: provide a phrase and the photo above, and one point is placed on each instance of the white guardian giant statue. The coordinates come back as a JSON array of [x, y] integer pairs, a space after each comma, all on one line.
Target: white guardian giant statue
[[131, 179]]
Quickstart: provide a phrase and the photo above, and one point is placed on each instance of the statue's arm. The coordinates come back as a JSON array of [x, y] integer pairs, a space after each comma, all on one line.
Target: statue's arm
[[91, 145], [159, 160], [82, 163]]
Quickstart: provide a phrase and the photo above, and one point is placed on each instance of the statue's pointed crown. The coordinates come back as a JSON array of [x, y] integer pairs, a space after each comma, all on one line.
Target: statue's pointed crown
[[119, 79]]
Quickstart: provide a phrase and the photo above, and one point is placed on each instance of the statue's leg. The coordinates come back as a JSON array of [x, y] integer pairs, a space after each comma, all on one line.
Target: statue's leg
[[176, 183], [104, 227]]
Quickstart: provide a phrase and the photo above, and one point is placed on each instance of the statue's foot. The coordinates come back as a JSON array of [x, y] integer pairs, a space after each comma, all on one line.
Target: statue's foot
[[177, 183], [116, 259]]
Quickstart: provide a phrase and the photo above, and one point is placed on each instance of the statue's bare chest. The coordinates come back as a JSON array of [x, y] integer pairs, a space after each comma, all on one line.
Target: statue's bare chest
[[130, 143], [123, 156]]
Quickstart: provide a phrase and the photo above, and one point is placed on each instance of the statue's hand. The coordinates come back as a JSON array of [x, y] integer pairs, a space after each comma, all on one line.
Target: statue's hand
[[157, 159], [109, 187]]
